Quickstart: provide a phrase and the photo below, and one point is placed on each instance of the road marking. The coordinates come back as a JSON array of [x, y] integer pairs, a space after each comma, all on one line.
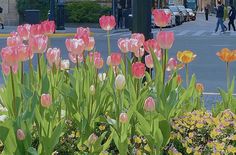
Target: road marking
[[198, 33], [212, 93], [222, 45], [183, 33]]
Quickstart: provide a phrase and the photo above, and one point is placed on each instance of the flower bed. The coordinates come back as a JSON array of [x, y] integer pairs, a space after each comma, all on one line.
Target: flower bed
[[132, 107]]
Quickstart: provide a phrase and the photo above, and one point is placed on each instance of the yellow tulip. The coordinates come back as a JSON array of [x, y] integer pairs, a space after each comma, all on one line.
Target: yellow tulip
[[186, 56]]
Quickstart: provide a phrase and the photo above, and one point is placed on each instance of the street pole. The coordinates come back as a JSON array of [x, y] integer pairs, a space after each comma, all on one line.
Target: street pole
[[52, 10]]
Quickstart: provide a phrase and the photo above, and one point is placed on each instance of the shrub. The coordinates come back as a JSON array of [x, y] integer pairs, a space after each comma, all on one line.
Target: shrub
[[84, 12]]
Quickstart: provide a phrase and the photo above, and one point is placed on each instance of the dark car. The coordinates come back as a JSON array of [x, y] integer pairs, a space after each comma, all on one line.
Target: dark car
[[192, 14], [179, 18], [184, 11]]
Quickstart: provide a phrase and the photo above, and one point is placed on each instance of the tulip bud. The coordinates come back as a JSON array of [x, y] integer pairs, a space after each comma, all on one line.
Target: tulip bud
[[109, 61], [123, 118], [149, 104], [92, 138], [120, 82], [199, 87], [65, 64], [102, 76], [46, 100], [92, 89], [20, 134]]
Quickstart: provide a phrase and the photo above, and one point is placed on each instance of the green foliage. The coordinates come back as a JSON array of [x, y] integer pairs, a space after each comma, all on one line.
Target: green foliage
[[85, 11]]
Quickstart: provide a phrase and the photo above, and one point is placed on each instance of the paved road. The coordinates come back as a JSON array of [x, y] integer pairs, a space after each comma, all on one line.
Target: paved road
[[197, 36]]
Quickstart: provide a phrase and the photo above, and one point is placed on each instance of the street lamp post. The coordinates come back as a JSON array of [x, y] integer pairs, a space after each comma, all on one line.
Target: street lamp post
[[52, 10]]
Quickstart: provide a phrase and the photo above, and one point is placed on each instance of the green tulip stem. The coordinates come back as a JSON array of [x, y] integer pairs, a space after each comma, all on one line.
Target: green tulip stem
[[77, 62], [31, 71], [39, 67], [13, 93], [187, 80], [22, 72], [108, 43], [227, 75], [164, 64], [125, 63]]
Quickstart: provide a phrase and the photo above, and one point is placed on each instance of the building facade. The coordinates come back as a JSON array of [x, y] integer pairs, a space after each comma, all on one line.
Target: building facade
[[9, 14]]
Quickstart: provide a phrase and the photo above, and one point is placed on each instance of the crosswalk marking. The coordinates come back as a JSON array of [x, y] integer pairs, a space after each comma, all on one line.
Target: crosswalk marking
[[198, 33], [182, 33]]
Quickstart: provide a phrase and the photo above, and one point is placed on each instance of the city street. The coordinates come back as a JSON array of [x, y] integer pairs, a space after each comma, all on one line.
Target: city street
[[197, 36]]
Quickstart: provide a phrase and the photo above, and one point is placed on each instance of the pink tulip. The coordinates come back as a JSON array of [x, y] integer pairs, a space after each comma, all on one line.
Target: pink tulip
[[20, 134], [149, 61], [115, 59], [165, 39], [13, 34], [94, 55], [83, 33], [98, 62], [172, 64], [123, 118], [139, 36], [158, 54], [24, 31], [134, 45], [14, 40], [54, 56], [107, 22], [161, 18], [123, 44], [68, 43], [48, 27], [77, 46], [92, 138], [46, 100], [149, 104], [151, 45], [9, 56], [38, 43], [6, 69], [73, 59], [138, 70], [36, 30], [90, 45], [139, 53], [24, 52]]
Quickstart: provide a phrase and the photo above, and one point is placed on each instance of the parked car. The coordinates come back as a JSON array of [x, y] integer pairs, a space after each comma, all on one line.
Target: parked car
[[184, 11], [179, 17], [192, 15], [172, 20]]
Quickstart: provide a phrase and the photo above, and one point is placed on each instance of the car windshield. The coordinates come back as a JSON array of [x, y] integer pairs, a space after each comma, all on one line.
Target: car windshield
[[173, 8]]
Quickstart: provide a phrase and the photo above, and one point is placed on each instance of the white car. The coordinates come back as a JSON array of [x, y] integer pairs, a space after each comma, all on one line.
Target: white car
[[172, 21]]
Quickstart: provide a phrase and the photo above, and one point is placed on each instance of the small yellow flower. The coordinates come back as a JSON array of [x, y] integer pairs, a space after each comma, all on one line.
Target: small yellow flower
[[233, 137], [197, 153], [231, 149], [189, 150], [214, 133], [219, 146], [137, 140], [77, 134], [102, 127], [199, 125], [191, 135]]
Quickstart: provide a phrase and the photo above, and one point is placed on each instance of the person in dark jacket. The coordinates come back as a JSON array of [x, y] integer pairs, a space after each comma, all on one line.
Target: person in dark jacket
[[219, 16], [232, 14], [206, 10]]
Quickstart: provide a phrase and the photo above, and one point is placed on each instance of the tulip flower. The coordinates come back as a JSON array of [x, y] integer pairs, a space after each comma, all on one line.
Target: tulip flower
[[172, 64], [36, 30], [24, 31], [20, 134], [65, 64], [24, 52], [199, 87], [123, 45], [161, 18], [149, 61], [102, 76], [158, 54], [90, 45], [151, 45], [77, 46], [73, 58], [115, 59], [123, 118], [120, 82], [10, 56], [54, 56], [139, 36], [46, 100], [107, 22], [38, 43], [138, 70], [98, 62], [48, 27], [14, 40], [186, 57], [134, 45], [139, 53], [149, 104], [92, 139], [94, 55], [109, 61], [83, 33], [6, 69], [165, 39]]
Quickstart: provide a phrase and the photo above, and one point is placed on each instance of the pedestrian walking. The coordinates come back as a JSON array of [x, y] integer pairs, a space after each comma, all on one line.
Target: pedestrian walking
[[120, 15], [206, 10], [232, 14], [225, 16], [219, 16], [1, 18]]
